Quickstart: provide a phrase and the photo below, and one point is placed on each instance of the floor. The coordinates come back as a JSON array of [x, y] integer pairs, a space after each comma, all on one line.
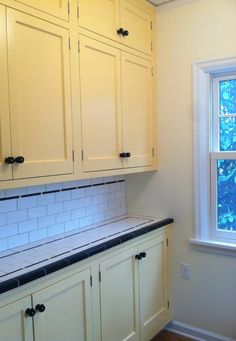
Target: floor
[[168, 336]]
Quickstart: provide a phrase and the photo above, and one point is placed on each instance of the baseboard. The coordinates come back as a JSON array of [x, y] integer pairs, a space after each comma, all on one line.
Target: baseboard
[[194, 332]]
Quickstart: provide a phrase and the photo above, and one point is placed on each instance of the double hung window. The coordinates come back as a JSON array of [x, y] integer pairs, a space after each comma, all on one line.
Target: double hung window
[[214, 128]]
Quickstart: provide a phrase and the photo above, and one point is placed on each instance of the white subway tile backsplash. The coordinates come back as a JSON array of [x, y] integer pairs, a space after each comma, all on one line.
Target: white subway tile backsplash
[[27, 202], [8, 205], [3, 218], [27, 226], [46, 221], [18, 240], [17, 216], [68, 206], [8, 230], [55, 208], [37, 212]]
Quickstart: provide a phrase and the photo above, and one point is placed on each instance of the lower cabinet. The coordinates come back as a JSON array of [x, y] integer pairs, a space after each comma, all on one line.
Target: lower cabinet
[[59, 312], [119, 295], [134, 295]]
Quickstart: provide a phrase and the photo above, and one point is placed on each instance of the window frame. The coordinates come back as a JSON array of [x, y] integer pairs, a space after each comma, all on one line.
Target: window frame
[[203, 73]]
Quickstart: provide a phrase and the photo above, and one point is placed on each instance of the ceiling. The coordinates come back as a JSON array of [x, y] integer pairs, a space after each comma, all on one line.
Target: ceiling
[[160, 2]]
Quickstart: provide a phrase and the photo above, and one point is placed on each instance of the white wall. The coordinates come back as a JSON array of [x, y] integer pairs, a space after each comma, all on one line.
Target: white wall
[[197, 31]]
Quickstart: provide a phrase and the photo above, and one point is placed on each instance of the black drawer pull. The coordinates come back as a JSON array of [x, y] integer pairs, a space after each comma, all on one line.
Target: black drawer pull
[[40, 308], [30, 312]]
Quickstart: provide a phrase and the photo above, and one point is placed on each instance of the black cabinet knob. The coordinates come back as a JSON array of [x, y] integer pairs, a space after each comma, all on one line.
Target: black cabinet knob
[[120, 31], [9, 160], [125, 33], [138, 257], [40, 308], [143, 254], [128, 154], [30, 312], [122, 155], [19, 159]]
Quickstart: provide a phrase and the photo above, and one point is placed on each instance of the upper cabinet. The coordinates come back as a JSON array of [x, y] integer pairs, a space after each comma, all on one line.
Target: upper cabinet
[[56, 8], [39, 98], [116, 107], [126, 21]]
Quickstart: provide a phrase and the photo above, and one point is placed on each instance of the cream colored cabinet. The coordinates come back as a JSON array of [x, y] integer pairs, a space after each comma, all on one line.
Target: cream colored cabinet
[[116, 107], [61, 311], [126, 21], [119, 298], [134, 292], [14, 325], [153, 286], [100, 105], [57, 8], [39, 98]]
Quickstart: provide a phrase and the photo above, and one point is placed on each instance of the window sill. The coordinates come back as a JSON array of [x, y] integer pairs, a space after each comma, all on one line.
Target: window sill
[[212, 246]]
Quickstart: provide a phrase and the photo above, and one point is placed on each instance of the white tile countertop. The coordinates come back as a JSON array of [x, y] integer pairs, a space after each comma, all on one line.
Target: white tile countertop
[[31, 261]]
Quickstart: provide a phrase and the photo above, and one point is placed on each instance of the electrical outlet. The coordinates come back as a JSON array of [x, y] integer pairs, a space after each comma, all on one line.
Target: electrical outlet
[[185, 271]]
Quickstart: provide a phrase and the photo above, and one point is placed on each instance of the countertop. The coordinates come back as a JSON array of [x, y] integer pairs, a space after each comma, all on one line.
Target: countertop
[[32, 261]]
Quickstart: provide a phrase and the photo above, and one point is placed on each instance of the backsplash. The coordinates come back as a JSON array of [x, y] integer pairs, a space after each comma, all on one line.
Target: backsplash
[[32, 213]]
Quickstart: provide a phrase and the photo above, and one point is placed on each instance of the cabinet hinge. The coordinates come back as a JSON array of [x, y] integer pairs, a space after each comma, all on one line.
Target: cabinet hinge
[[78, 46], [152, 71], [68, 7], [151, 25], [77, 11], [73, 155], [100, 276], [82, 155], [151, 46], [153, 152], [69, 44], [91, 280], [167, 242], [168, 304]]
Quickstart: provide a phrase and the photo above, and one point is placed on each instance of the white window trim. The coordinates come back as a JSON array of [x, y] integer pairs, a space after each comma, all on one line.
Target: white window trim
[[202, 73]]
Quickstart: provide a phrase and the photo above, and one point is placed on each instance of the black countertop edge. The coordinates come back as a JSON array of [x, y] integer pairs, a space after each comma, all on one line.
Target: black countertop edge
[[60, 264]]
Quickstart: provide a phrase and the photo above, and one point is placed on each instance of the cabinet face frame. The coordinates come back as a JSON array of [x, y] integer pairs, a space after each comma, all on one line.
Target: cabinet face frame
[[5, 138], [39, 164]]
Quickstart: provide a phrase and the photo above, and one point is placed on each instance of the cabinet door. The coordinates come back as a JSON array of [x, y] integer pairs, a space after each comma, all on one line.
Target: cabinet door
[[137, 110], [5, 146], [39, 84], [137, 21], [68, 310], [14, 325], [100, 16], [119, 298], [57, 8], [153, 287], [100, 105]]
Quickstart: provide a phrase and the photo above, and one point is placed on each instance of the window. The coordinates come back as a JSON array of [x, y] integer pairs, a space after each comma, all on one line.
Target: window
[[223, 157], [214, 127]]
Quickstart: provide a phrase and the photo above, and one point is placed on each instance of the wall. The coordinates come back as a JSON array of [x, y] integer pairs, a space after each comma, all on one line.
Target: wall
[[198, 31], [30, 214]]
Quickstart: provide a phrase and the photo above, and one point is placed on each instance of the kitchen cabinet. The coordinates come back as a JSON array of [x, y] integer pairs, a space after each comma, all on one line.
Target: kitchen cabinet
[[134, 292], [38, 141], [126, 21], [61, 311], [56, 8], [116, 96]]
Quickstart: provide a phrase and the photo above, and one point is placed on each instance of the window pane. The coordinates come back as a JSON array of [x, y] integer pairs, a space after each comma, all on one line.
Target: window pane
[[228, 134], [228, 97], [226, 188]]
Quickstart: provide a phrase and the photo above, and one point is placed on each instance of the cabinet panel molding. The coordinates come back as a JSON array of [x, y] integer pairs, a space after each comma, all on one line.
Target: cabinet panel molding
[[100, 105], [39, 85]]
